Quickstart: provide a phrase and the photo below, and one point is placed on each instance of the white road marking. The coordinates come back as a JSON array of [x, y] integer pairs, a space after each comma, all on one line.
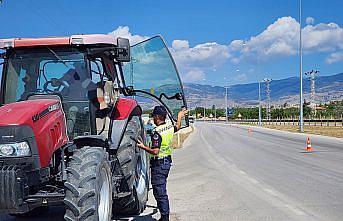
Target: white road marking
[[295, 210], [276, 198]]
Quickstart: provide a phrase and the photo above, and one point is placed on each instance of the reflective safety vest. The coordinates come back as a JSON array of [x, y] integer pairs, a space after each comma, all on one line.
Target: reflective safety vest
[[167, 133]]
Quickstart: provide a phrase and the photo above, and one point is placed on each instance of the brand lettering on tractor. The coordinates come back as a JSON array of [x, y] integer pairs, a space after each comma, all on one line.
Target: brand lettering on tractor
[[45, 112]]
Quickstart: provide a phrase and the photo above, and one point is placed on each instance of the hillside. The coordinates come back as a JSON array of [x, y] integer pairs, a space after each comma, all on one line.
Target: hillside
[[284, 90]]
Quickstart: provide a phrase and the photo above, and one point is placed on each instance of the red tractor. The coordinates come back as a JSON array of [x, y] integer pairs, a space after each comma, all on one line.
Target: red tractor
[[69, 118]]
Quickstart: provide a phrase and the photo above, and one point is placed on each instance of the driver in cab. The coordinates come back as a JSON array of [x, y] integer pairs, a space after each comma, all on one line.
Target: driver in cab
[[160, 156], [76, 83]]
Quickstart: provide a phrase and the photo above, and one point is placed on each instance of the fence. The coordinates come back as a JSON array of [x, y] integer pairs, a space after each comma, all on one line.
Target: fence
[[309, 122]]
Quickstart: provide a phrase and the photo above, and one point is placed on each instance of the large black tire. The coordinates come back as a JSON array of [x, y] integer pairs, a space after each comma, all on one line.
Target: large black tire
[[88, 186], [135, 167]]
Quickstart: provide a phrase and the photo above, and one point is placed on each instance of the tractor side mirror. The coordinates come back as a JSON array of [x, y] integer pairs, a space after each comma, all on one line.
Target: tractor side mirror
[[123, 50]]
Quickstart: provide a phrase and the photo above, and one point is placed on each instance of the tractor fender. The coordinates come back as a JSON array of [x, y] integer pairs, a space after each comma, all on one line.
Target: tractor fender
[[125, 109]]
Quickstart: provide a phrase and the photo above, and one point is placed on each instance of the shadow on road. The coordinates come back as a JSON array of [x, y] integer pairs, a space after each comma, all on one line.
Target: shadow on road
[[317, 151], [143, 217], [56, 213]]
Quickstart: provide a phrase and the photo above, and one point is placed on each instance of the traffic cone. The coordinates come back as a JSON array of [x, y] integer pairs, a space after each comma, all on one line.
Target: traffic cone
[[308, 144]]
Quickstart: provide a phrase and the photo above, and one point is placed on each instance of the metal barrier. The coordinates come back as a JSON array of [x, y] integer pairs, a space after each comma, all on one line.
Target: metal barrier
[[309, 122]]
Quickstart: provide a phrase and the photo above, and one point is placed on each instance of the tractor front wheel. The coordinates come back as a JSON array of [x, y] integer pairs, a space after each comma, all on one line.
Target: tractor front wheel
[[88, 186]]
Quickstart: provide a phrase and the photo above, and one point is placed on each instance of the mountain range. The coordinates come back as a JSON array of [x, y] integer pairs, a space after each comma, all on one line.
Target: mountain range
[[327, 88]]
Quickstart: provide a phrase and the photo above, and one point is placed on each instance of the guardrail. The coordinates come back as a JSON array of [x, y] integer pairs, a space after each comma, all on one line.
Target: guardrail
[[309, 122]]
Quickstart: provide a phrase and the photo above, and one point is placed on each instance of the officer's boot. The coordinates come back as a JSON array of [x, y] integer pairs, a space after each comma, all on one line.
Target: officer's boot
[[164, 218]]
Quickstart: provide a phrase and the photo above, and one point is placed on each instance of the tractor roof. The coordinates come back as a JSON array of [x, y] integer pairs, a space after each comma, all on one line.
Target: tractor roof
[[92, 39]]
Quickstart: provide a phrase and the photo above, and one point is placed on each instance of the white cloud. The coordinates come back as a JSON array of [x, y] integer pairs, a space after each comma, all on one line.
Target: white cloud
[[192, 62], [209, 54], [200, 58], [124, 32], [194, 75], [323, 37], [241, 77], [334, 57], [180, 44], [310, 20], [281, 39]]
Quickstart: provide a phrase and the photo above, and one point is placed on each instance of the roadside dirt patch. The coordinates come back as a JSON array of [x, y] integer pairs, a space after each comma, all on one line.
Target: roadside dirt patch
[[182, 137], [321, 130]]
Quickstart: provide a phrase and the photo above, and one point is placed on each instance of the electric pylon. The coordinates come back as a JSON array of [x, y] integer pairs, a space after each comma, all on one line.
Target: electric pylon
[[267, 81]]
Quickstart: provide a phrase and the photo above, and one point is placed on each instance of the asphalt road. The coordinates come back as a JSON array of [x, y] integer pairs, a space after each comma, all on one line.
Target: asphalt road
[[225, 173]]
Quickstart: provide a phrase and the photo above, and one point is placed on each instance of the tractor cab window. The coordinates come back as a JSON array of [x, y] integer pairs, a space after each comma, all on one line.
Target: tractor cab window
[[153, 75], [47, 71], [107, 93]]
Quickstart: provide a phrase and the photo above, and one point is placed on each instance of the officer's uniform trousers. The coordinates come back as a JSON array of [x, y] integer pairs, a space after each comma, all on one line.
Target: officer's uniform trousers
[[159, 174]]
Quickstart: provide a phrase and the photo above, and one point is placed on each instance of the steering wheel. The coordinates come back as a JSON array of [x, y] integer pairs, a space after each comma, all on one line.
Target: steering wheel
[[47, 90]]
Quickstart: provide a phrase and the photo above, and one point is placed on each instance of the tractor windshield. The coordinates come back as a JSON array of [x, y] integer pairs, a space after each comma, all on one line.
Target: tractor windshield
[[153, 74], [46, 71]]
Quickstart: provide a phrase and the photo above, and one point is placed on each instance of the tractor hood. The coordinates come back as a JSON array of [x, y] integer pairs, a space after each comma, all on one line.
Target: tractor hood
[[39, 122], [26, 112]]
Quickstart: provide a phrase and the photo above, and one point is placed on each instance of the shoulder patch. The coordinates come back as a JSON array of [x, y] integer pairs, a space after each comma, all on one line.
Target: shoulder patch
[[155, 136]]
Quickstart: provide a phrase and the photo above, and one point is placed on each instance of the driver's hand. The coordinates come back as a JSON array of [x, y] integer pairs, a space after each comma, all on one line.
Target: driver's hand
[[56, 82]]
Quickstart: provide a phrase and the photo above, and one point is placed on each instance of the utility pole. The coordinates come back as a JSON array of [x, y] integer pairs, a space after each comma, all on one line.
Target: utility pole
[[196, 114], [205, 105], [204, 113], [226, 117], [301, 114], [205, 100], [259, 104], [267, 81], [215, 114]]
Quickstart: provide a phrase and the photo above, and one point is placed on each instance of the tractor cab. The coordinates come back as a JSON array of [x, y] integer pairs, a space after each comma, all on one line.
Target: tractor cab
[[70, 115], [76, 69], [87, 74]]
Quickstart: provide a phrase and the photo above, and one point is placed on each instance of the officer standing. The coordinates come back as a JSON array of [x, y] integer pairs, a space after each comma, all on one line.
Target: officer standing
[[160, 156]]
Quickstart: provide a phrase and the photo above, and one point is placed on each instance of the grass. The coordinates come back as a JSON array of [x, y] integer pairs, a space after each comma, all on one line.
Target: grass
[[321, 130]]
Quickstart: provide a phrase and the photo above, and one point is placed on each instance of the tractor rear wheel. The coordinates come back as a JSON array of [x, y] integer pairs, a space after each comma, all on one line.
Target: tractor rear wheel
[[88, 186], [135, 168]]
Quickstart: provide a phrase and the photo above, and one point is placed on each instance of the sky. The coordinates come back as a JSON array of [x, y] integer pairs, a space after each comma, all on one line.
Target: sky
[[212, 42]]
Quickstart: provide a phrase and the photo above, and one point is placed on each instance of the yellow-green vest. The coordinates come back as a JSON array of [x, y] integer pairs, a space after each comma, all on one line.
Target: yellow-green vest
[[167, 133]]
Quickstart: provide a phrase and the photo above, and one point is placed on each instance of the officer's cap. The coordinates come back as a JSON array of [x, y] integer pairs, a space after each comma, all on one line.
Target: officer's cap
[[159, 110]]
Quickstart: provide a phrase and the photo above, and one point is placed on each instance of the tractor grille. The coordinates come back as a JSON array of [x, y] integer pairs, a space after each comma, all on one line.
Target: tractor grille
[[11, 190]]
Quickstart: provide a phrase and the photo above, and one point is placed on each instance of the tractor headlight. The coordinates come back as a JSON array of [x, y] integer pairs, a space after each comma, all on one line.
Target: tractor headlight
[[15, 149]]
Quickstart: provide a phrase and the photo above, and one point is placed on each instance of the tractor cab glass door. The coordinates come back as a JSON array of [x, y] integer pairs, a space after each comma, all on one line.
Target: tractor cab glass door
[[1, 64], [152, 74]]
